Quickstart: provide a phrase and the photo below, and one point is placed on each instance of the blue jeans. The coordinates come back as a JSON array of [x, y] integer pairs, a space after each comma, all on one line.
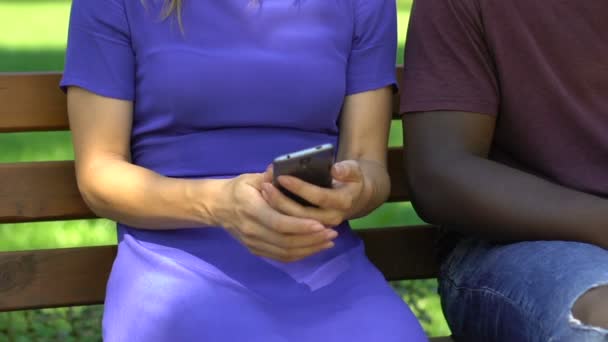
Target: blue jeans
[[520, 292]]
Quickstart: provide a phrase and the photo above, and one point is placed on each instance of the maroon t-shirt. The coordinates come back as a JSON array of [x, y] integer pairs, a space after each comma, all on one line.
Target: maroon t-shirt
[[540, 66]]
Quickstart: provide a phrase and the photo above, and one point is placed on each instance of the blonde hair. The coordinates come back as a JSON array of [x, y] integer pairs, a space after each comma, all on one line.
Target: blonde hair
[[170, 7], [173, 7]]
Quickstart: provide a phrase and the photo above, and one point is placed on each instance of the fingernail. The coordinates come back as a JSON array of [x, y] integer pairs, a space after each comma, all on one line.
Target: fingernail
[[331, 234], [328, 245], [339, 169], [317, 227]]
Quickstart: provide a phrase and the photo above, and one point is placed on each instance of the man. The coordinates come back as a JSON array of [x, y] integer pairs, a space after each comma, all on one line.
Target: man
[[506, 126]]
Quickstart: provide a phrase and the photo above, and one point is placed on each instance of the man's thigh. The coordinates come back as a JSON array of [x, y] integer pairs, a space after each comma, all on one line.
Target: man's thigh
[[520, 292]]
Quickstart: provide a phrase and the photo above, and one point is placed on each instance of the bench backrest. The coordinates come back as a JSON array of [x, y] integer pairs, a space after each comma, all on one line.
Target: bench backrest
[[47, 191]]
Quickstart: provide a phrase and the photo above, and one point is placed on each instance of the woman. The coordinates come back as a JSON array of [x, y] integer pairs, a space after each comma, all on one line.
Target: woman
[[174, 122]]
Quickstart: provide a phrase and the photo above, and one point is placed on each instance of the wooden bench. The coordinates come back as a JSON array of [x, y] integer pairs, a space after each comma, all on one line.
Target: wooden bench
[[47, 191]]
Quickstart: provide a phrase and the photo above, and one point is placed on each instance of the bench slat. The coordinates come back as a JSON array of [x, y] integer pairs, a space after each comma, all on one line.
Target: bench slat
[[396, 97], [34, 102], [38, 191], [396, 170], [402, 252], [77, 276], [54, 278], [441, 339]]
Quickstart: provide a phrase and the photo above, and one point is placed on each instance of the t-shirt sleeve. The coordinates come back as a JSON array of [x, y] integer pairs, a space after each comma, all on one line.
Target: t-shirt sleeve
[[372, 59], [448, 65], [99, 55]]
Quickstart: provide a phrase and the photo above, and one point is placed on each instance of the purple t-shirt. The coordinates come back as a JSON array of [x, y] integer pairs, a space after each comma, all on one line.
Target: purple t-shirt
[[240, 86], [540, 66]]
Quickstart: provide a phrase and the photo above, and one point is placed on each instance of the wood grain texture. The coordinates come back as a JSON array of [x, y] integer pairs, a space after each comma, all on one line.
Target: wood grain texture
[[53, 278], [40, 191], [34, 102]]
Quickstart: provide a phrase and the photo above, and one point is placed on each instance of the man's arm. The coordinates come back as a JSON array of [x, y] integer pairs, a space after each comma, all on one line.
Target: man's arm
[[454, 183]]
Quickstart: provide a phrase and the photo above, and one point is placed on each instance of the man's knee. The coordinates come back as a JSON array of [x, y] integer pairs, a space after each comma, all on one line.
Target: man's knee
[[592, 307]]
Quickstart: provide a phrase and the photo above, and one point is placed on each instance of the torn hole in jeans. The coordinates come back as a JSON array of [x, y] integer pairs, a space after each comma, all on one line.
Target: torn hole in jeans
[[578, 324]]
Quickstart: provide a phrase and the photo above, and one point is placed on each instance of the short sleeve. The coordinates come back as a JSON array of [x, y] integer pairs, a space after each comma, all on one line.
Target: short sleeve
[[372, 59], [448, 64], [99, 55]]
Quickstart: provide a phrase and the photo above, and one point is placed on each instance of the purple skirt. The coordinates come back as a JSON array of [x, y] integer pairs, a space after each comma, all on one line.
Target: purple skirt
[[202, 285]]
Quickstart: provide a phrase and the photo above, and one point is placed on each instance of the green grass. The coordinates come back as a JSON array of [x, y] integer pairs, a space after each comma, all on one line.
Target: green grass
[[37, 32], [75, 324], [34, 25], [36, 42]]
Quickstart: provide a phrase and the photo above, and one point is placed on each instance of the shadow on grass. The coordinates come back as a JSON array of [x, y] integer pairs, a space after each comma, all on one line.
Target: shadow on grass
[[75, 324], [19, 60], [58, 234]]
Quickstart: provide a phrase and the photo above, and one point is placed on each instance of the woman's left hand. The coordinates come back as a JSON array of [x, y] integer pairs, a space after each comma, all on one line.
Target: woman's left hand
[[334, 205]]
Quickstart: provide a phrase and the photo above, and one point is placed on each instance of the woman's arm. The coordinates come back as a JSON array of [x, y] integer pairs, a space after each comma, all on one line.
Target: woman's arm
[[115, 188], [361, 181]]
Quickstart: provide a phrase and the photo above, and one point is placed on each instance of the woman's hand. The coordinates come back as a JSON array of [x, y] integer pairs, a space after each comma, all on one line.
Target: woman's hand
[[347, 196], [262, 229]]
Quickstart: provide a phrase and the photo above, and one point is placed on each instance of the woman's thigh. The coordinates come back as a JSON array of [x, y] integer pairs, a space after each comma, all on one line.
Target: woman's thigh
[[153, 298], [371, 309], [522, 291]]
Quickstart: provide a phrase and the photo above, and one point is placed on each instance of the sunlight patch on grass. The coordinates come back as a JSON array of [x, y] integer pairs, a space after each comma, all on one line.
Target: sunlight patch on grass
[[403, 16], [34, 25], [396, 134], [389, 215], [40, 25], [60, 234], [35, 146], [437, 326]]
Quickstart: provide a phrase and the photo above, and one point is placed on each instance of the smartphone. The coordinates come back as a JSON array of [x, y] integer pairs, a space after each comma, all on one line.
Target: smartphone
[[312, 165]]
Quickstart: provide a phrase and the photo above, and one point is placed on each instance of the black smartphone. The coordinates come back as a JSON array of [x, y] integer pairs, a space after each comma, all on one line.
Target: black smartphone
[[312, 165]]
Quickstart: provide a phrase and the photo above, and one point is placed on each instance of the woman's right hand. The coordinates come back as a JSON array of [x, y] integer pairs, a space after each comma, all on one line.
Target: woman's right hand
[[243, 212]]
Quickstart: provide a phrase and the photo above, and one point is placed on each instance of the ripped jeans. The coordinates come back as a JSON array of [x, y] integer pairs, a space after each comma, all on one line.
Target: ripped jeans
[[520, 292]]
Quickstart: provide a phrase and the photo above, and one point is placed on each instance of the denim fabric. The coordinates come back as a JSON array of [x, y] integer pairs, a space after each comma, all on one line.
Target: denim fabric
[[520, 292]]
